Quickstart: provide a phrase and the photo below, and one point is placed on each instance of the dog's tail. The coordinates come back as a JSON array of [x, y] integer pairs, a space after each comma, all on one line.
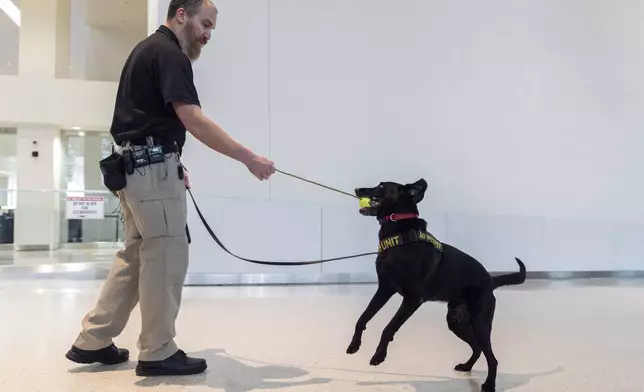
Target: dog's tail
[[514, 278]]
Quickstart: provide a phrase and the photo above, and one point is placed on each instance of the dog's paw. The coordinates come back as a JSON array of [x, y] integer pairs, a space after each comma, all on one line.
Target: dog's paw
[[354, 347], [378, 358], [463, 367], [488, 388]]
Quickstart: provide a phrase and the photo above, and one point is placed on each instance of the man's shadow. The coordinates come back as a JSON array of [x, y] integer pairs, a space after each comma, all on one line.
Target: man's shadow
[[231, 375]]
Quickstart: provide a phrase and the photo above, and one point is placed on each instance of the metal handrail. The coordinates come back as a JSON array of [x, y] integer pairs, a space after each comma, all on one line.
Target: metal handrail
[[55, 190]]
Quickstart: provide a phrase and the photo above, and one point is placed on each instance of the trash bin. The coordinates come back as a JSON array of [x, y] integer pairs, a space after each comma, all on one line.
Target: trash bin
[[6, 228], [74, 230]]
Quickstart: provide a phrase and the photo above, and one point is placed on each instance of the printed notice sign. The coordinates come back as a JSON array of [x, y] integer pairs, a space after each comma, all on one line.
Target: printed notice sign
[[85, 207]]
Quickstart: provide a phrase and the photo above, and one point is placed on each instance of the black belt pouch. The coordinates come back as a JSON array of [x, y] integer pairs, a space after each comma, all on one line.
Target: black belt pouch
[[113, 170]]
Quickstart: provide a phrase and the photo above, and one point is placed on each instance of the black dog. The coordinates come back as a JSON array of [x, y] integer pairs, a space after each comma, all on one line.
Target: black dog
[[412, 263]]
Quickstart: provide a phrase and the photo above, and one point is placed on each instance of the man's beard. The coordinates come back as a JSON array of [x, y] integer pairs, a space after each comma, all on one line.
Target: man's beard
[[191, 46]]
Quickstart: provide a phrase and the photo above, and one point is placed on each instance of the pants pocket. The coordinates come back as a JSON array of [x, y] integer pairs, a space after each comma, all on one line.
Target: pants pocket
[[175, 215], [151, 219], [161, 218]]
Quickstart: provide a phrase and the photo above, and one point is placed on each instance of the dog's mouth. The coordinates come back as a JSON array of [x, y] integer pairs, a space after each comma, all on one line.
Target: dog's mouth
[[369, 211]]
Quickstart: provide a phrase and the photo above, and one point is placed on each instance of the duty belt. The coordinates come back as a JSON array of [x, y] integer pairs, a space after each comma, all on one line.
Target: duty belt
[[169, 146]]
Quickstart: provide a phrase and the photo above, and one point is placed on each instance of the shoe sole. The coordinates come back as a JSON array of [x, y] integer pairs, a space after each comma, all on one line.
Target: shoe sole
[[163, 372], [74, 357]]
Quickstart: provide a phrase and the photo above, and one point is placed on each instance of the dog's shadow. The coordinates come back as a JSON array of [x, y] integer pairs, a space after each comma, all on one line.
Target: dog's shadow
[[231, 375], [470, 383]]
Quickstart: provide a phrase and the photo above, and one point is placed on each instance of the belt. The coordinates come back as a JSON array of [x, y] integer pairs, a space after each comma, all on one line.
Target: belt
[[169, 146]]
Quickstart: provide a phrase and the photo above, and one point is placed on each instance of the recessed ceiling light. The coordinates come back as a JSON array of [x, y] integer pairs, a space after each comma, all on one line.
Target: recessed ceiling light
[[81, 133], [77, 128]]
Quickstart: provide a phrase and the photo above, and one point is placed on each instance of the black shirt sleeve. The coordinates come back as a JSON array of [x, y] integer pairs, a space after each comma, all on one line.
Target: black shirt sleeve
[[175, 78]]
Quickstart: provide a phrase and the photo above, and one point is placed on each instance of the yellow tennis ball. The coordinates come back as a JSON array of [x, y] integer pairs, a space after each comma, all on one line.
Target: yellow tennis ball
[[365, 202]]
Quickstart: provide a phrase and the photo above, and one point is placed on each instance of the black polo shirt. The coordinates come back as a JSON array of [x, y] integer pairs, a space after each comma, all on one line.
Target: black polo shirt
[[155, 74]]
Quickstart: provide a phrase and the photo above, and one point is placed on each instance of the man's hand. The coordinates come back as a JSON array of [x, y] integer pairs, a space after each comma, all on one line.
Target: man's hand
[[211, 134], [261, 167]]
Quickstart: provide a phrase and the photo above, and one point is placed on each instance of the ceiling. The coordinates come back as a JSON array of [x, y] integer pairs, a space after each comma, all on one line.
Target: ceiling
[[117, 13]]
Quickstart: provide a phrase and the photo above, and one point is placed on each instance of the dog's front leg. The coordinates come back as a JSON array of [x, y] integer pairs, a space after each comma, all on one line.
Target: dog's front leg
[[383, 294], [407, 308]]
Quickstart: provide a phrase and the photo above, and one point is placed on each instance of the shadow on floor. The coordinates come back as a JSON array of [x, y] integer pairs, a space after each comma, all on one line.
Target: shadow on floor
[[461, 382], [230, 375], [473, 382], [98, 368]]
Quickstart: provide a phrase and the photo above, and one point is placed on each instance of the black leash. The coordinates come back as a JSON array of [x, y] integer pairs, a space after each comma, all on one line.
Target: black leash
[[291, 263], [316, 183]]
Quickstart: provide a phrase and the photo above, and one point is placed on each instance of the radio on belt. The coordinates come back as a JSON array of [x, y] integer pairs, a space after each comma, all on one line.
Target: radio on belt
[[155, 154], [140, 158]]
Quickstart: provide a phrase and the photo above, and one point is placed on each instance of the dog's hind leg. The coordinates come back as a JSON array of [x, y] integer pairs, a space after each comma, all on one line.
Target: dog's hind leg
[[382, 296], [407, 308], [482, 325], [459, 322]]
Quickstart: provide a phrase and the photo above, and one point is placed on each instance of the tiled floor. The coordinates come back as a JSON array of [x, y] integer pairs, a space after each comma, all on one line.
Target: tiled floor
[[566, 336]]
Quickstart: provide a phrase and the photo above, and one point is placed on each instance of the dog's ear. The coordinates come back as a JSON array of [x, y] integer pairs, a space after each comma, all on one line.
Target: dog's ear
[[417, 190]]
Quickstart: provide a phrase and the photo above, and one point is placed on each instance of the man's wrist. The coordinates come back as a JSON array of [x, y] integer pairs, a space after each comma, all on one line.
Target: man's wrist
[[244, 155]]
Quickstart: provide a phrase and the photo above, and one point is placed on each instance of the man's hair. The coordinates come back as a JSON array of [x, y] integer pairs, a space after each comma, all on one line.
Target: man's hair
[[192, 7]]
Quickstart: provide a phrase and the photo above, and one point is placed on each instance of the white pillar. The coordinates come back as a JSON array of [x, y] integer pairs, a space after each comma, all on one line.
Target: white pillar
[[63, 39], [44, 53], [44, 38], [80, 40], [38, 207]]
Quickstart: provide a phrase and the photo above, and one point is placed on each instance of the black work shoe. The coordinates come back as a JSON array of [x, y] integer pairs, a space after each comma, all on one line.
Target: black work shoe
[[110, 355], [178, 364]]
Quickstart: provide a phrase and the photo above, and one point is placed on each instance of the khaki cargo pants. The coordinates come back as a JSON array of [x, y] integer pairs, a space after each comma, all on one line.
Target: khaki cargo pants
[[150, 270]]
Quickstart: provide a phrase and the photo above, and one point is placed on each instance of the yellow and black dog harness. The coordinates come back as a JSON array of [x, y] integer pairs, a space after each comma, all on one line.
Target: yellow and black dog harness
[[412, 236], [409, 237]]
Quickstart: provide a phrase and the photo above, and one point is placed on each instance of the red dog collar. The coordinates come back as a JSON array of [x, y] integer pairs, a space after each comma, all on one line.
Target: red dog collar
[[398, 217]]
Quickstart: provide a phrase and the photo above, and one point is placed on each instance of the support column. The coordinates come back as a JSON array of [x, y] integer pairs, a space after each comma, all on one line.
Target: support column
[[38, 205], [44, 54], [44, 38]]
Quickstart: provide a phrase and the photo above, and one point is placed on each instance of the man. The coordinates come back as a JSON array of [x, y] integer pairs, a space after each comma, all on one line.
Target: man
[[155, 104]]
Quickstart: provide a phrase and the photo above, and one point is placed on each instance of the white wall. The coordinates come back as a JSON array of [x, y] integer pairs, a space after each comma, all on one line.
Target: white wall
[[523, 117], [63, 102], [107, 50], [99, 51]]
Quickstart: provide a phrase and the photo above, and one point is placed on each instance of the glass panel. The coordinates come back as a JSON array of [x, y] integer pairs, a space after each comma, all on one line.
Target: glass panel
[[8, 143], [10, 32], [83, 181], [6, 216], [83, 217], [78, 218]]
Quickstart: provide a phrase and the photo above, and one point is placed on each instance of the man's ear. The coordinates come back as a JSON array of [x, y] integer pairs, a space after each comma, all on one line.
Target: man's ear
[[417, 190]]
